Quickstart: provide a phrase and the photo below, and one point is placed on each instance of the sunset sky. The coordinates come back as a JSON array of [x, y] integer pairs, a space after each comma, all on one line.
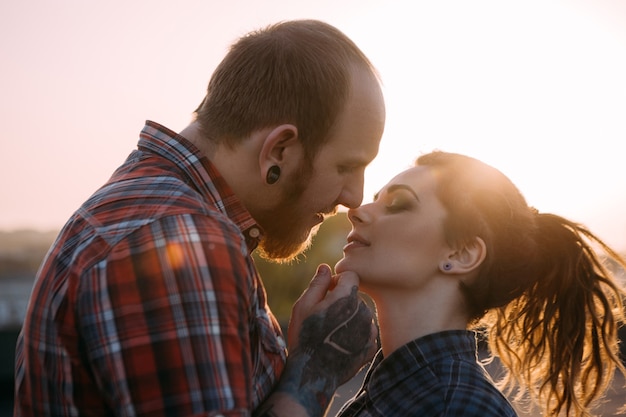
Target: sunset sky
[[535, 88]]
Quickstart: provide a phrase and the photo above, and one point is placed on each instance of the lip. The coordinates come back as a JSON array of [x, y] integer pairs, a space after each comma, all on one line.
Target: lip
[[321, 216], [355, 240]]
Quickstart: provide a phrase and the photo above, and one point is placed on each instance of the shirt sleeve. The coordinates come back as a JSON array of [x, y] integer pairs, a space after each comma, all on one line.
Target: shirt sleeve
[[166, 319]]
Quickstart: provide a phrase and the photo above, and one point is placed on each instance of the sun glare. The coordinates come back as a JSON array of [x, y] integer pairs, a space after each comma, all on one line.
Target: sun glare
[[537, 92], [535, 88]]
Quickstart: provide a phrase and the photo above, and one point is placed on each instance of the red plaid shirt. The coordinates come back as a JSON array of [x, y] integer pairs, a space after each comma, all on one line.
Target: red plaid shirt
[[149, 302]]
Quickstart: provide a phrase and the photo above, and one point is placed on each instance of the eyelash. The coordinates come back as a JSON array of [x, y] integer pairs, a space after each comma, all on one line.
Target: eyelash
[[397, 205], [347, 169]]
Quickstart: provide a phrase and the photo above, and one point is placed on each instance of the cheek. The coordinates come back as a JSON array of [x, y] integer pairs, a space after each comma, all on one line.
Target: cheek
[[414, 248], [391, 254], [323, 190]]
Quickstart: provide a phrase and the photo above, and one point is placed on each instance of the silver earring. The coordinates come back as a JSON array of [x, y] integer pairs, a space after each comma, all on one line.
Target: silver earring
[[446, 266], [273, 174]]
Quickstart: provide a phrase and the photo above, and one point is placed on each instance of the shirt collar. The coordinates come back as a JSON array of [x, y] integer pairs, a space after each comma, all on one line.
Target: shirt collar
[[202, 175], [385, 372]]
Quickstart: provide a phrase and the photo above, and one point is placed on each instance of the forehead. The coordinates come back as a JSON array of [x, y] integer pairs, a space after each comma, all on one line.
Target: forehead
[[416, 177], [350, 150], [355, 137], [419, 179]]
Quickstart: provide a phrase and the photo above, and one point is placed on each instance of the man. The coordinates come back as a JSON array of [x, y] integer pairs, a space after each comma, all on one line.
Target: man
[[149, 302]]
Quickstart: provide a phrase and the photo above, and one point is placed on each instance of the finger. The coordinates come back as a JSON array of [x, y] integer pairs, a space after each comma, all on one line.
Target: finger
[[333, 282], [318, 287], [304, 306], [373, 340], [347, 279], [343, 286], [372, 346]]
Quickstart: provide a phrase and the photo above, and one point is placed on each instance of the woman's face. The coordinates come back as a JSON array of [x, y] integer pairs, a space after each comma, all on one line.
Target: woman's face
[[397, 242]]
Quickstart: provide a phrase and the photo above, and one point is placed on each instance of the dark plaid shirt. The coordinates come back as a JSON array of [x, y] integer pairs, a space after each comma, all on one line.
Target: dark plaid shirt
[[149, 303], [434, 376]]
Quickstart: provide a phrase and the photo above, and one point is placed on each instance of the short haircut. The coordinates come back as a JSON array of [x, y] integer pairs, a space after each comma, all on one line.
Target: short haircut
[[296, 72]]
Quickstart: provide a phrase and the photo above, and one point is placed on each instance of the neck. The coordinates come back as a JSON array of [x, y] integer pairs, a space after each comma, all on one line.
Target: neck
[[404, 317], [194, 135], [237, 165], [227, 161]]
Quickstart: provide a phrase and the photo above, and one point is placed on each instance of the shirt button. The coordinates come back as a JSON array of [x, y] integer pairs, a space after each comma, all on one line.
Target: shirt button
[[254, 232]]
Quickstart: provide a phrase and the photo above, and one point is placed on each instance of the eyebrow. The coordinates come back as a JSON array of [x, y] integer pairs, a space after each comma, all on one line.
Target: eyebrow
[[396, 187]]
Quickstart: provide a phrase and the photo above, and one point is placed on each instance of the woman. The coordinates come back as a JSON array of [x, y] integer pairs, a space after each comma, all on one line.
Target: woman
[[450, 248]]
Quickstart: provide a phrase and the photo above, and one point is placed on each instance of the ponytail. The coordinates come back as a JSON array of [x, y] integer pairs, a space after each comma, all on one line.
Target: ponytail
[[549, 306], [559, 338]]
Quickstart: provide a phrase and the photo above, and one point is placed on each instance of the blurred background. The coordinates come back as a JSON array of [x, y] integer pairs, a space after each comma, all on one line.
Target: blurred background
[[535, 88]]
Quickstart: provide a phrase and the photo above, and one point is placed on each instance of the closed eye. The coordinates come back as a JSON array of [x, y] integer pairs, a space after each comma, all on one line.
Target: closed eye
[[396, 187], [398, 203], [348, 169]]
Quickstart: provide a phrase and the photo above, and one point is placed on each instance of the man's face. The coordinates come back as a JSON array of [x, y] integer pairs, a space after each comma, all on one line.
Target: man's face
[[335, 176]]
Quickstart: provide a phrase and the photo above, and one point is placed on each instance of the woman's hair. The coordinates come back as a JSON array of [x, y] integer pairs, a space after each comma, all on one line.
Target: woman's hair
[[550, 306], [295, 72]]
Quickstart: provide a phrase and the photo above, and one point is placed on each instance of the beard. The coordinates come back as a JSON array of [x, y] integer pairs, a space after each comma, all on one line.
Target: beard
[[285, 236], [286, 249]]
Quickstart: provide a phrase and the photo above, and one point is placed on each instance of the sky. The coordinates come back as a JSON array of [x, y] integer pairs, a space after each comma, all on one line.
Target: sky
[[535, 88]]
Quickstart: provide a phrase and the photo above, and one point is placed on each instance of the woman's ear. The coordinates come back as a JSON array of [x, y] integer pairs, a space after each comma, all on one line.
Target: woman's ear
[[278, 145], [466, 259]]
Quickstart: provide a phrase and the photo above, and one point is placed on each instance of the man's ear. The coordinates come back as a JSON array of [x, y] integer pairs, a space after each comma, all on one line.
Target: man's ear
[[280, 144], [466, 259]]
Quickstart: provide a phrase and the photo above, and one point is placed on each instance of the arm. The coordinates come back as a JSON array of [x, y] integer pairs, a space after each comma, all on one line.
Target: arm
[[167, 322], [332, 336]]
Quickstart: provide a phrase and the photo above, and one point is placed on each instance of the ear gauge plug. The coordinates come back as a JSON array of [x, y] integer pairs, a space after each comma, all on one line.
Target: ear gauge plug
[[273, 174]]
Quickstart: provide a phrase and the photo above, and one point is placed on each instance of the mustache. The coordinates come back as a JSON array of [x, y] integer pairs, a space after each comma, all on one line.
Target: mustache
[[330, 212]]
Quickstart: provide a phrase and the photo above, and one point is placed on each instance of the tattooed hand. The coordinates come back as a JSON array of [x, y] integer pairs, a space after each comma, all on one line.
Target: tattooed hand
[[331, 336], [336, 338]]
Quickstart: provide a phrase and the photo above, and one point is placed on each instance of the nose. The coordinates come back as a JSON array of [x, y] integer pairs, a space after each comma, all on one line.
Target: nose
[[358, 215], [352, 194]]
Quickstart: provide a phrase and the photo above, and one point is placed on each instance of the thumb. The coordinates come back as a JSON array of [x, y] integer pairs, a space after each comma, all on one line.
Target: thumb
[[305, 305], [319, 285]]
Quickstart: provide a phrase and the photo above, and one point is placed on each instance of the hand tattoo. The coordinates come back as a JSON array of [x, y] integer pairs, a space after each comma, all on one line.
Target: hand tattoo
[[339, 334], [333, 345]]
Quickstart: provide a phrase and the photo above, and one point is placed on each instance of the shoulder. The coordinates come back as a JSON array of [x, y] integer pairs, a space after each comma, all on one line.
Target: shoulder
[[446, 388], [468, 391], [455, 386]]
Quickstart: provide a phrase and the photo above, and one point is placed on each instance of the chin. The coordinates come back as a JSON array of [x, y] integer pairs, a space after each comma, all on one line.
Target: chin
[[347, 264], [342, 266]]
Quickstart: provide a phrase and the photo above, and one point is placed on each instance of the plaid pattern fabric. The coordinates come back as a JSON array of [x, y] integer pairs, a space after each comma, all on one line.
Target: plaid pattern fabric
[[149, 302], [433, 376]]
